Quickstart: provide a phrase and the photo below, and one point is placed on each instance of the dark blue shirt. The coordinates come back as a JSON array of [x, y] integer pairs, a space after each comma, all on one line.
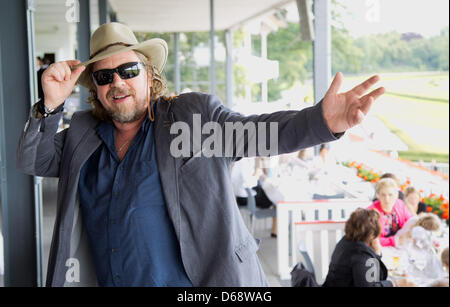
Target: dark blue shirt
[[131, 235]]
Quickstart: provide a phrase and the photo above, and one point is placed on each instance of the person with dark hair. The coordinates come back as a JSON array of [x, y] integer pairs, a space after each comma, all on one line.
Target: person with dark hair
[[356, 260], [412, 201], [40, 68]]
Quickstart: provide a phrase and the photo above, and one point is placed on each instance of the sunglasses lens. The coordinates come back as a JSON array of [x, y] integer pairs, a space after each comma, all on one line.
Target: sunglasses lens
[[103, 77], [127, 72]]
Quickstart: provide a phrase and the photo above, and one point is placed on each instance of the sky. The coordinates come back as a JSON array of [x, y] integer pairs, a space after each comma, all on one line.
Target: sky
[[426, 17]]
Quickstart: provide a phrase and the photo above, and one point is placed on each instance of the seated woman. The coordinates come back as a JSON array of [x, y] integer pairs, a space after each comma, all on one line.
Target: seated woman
[[356, 260], [412, 201], [393, 211]]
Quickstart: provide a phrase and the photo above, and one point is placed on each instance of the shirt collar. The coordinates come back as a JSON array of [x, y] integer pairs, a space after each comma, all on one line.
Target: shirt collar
[[105, 131]]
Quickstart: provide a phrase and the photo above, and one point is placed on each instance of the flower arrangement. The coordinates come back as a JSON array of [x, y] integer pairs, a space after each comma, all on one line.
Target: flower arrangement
[[438, 205], [363, 172]]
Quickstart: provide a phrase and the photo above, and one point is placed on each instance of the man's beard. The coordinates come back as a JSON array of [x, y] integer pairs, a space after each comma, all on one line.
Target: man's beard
[[127, 114], [123, 112]]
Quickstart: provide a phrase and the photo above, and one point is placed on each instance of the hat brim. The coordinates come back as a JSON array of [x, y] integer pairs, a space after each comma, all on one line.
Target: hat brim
[[155, 49]]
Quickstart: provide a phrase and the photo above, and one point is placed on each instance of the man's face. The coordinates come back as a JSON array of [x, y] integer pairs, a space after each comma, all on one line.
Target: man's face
[[125, 100]]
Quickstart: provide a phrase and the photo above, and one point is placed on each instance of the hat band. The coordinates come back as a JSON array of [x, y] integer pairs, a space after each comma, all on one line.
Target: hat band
[[110, 45]]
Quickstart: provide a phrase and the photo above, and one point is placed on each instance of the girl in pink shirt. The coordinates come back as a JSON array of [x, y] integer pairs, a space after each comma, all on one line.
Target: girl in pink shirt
[[393, 211]]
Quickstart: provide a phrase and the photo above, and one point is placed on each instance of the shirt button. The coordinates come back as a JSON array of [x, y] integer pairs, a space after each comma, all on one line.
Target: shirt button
[[113, 250], [117, 277], [116, 193], [113, 222]]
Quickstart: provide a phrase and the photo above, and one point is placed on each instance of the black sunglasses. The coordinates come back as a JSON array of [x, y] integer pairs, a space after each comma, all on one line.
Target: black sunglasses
[[125, 71]]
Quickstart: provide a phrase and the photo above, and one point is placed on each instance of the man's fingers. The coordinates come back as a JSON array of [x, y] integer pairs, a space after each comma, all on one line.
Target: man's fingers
[[56, 73], [67, 72], [366, 105], [363, 87], [359, 117], [76, 73], [367, 100], [336, 84], [73, 62], [375, 93]]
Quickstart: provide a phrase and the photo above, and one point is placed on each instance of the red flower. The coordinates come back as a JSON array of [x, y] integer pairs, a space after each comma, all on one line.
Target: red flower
[[429, 209]]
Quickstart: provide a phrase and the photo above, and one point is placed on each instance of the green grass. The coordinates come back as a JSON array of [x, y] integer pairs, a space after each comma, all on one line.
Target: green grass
[[415, 108], [430, 86], [424, 156], [412, 145], [422, 98], [415, 152]]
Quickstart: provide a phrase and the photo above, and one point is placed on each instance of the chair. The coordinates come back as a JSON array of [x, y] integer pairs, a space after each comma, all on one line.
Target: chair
[[256, 212], [317, 240], [304, 252]]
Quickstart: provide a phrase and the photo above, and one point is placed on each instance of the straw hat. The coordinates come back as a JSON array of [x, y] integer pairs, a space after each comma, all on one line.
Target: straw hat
[[113, 38]]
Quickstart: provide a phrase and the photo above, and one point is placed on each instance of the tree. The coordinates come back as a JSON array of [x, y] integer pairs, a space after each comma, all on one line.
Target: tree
[[293, 55]]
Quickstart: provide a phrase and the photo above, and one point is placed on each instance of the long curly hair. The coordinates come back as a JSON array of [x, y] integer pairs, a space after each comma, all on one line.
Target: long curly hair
[[158, 89]]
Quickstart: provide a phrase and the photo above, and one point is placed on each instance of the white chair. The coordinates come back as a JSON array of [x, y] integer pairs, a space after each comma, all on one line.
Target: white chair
[[256, 212], [315, 222], [317, 240]]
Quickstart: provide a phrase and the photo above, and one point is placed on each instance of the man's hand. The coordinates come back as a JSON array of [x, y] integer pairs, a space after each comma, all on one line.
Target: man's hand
[[58, 81], [345, 110]]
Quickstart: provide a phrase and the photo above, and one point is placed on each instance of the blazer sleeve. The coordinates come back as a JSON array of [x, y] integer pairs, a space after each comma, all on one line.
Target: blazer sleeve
[[294, 130], [40, 147]]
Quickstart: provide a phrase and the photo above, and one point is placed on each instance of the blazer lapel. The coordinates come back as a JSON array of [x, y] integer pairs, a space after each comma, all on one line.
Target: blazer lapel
[[168, 170], [89, 142]]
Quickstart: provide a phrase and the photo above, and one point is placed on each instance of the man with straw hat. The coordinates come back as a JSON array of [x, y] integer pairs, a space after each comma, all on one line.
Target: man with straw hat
[[131, 210]]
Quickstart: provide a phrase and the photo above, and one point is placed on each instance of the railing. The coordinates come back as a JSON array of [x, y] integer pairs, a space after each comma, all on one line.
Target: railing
[[442, 168], [309, 221]]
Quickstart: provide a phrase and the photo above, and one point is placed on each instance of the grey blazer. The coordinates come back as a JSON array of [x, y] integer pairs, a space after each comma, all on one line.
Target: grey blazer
[[216, 247]]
